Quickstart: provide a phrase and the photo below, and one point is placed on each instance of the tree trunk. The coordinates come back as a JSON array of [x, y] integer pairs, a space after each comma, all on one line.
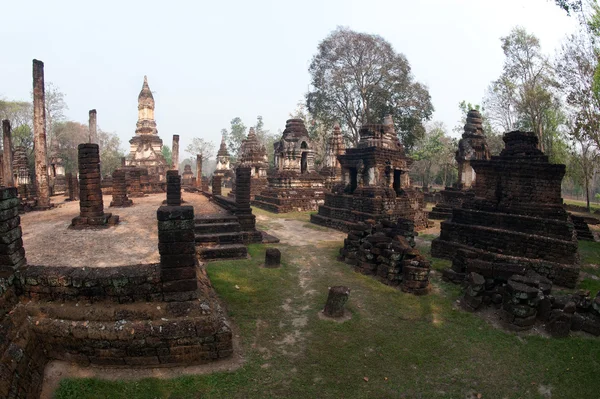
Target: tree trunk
[[337, 298], [587, 191]]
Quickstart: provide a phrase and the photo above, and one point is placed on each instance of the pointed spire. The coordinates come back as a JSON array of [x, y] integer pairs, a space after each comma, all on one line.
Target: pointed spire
[[146, 92]]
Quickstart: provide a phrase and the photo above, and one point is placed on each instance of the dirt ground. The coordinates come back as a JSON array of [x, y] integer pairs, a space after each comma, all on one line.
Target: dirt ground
[[48, 240]]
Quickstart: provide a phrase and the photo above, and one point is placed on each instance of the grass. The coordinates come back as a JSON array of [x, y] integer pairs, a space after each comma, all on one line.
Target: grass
[[593, 206], [406, 346]]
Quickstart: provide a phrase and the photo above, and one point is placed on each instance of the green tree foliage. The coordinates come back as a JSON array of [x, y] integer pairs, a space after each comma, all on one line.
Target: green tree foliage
[[359, 78], [428, 150], [110, 152], [235, 135], [166, 152], [522, 95]]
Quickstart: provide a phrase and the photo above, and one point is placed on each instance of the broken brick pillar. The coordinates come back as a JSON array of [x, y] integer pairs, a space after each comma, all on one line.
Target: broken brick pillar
[[72, 189], [336, 299], [175, 153], [12, 253], [199, 171], [173, 188], [93, 126], [39, 136], [242, 199], [119, 190], [7, 156], [216, 185], [135, 183], [272, 258], [177, 248], [91, 207]]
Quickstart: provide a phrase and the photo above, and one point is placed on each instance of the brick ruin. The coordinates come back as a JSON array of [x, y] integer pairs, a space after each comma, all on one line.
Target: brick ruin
[[187, 178], [515, 221], [332, 170], [175, 153], [173, 188], [6, 160], [119, 190], [143, 315], [253, 155], [471, 147], [146, 146], [386, 250], [217, 184], [376, 183], [223, 165], [91, 207], [39, 137], [294, 186], [226, 235]]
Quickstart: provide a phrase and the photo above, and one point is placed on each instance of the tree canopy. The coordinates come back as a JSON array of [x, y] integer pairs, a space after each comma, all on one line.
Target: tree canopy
[[359, 78]]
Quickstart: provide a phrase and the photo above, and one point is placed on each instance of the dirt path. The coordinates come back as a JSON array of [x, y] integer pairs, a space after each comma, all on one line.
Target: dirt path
[[48, 241]]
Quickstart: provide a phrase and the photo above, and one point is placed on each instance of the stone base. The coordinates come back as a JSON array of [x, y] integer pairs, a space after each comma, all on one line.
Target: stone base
[[440, 212], [121, 204], [106, 220]]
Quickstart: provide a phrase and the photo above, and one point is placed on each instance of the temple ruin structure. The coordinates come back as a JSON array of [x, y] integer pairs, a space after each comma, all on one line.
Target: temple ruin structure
[[515, 221], [175, 153], [253, 155], [376, 183], [146, 145], [294, 186], [332, 170], [471, 147], [187, 177], [223, 168]]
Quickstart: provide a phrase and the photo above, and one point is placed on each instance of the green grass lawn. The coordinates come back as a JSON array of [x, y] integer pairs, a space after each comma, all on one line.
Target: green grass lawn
[[593, 206], [405, 346]]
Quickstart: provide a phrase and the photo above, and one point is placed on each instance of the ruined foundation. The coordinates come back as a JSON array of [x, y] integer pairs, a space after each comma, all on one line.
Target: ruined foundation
[[515, 222], [119, 190]]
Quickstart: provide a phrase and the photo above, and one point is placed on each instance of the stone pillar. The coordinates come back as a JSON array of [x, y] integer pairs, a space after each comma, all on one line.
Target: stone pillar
[[91, 207], [119, 189], [93, 129], [135, 185], [7, 165], [173, 188], [71, 187], [177, 248], [39, 136], [175, 152], [12, 253], [199, 171], [216, 185], [242, 199]]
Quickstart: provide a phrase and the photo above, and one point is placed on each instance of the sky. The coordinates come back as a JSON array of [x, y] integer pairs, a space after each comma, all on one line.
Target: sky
[[208, 62]]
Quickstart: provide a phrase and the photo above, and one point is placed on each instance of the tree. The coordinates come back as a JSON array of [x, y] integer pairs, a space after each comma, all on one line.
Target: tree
[[110, 151], [522, 95], [55, 107], [427, 151], [166, 152], [358, 78], [235, 136], [201, 146]]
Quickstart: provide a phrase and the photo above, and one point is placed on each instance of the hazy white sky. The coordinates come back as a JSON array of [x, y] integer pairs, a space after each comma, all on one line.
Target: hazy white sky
[[208, 62]]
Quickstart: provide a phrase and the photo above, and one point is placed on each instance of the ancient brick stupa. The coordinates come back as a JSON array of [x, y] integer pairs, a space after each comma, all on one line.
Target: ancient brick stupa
[[223, 168], [472, 146], [295, 186], [146, 146], [187, 177], [376, 183], [332, 170], [253, 155], [515, 220]]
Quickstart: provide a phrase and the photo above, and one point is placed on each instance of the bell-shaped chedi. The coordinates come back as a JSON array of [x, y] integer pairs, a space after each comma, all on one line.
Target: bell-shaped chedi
[[253, 155], [471, 147], [223, 168], [146, 146], [295, 186], [376, 185], [514, 221], [332, 170]]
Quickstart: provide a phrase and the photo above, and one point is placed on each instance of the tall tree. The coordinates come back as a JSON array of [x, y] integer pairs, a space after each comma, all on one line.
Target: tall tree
[[427, 150], [167, 153], [522, 95], [235, 136], [110, 151], [200, 146], [358, 78]]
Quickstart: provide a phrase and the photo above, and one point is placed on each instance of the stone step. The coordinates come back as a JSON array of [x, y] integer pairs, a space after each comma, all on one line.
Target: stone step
[[218, 252], [220, 238], [208, 228], [215, 218]]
